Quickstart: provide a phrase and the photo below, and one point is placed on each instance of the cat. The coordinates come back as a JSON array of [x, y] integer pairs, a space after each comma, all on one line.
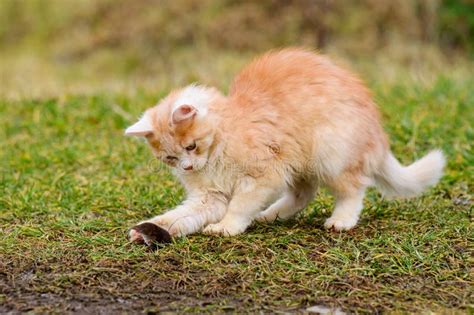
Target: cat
[[293, 121]]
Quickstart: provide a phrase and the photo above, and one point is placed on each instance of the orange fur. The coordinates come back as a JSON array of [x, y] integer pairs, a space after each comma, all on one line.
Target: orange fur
[[293, 121]]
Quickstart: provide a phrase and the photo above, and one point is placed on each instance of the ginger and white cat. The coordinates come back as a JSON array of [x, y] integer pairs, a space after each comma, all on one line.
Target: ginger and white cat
[[293, 121]]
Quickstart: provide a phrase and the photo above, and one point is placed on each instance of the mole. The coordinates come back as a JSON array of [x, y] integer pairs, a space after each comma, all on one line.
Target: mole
[[153, 235]]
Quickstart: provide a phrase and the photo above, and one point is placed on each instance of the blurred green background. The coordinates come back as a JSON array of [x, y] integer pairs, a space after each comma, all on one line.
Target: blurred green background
[[52, 47]]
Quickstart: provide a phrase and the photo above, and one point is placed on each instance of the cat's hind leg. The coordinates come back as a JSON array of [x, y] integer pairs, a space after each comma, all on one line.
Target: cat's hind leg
[[292, 201], [348, 207]]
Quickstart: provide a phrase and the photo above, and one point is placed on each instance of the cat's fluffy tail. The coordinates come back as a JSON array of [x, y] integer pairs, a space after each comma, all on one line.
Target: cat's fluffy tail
[[396, 180]]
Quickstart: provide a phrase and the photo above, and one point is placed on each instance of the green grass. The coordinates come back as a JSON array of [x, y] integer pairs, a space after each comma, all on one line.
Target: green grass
[[71, 186]]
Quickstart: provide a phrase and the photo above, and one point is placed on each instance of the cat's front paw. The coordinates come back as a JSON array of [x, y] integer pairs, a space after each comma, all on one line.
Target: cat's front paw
[[340, 223], [266, 217], [223, 229]]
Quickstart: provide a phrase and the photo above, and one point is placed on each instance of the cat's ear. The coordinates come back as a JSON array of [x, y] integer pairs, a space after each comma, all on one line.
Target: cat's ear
[[183, 113], [141, 128]]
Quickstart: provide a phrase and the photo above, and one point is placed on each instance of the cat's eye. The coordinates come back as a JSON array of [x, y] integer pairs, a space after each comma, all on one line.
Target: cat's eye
[[191, 147], [171, 158]]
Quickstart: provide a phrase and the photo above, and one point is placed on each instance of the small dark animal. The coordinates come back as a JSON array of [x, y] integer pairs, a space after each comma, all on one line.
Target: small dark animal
[[153, 235]]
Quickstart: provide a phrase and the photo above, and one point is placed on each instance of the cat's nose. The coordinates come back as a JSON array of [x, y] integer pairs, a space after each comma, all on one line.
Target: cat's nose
[[188, 167]]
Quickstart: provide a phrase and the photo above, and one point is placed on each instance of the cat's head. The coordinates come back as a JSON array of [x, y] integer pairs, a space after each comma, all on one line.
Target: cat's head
[[181, 128]]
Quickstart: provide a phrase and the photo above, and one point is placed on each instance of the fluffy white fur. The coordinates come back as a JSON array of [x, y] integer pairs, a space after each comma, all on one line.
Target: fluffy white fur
[[396, 180], [196, 95], [141, 128]]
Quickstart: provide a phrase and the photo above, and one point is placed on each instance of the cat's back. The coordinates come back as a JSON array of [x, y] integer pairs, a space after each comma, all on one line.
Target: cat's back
[[298, 84], [288, 71], [283, 95]]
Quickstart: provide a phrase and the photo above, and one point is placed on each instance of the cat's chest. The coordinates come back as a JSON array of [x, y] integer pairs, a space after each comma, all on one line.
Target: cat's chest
[[214, 180]]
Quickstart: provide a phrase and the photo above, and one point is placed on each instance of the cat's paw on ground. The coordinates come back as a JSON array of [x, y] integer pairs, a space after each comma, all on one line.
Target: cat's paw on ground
[[223, 229], [340, 223], [266, 217]]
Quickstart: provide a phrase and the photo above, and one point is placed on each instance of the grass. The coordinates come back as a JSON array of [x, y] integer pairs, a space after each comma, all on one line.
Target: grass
[[71, 186]]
